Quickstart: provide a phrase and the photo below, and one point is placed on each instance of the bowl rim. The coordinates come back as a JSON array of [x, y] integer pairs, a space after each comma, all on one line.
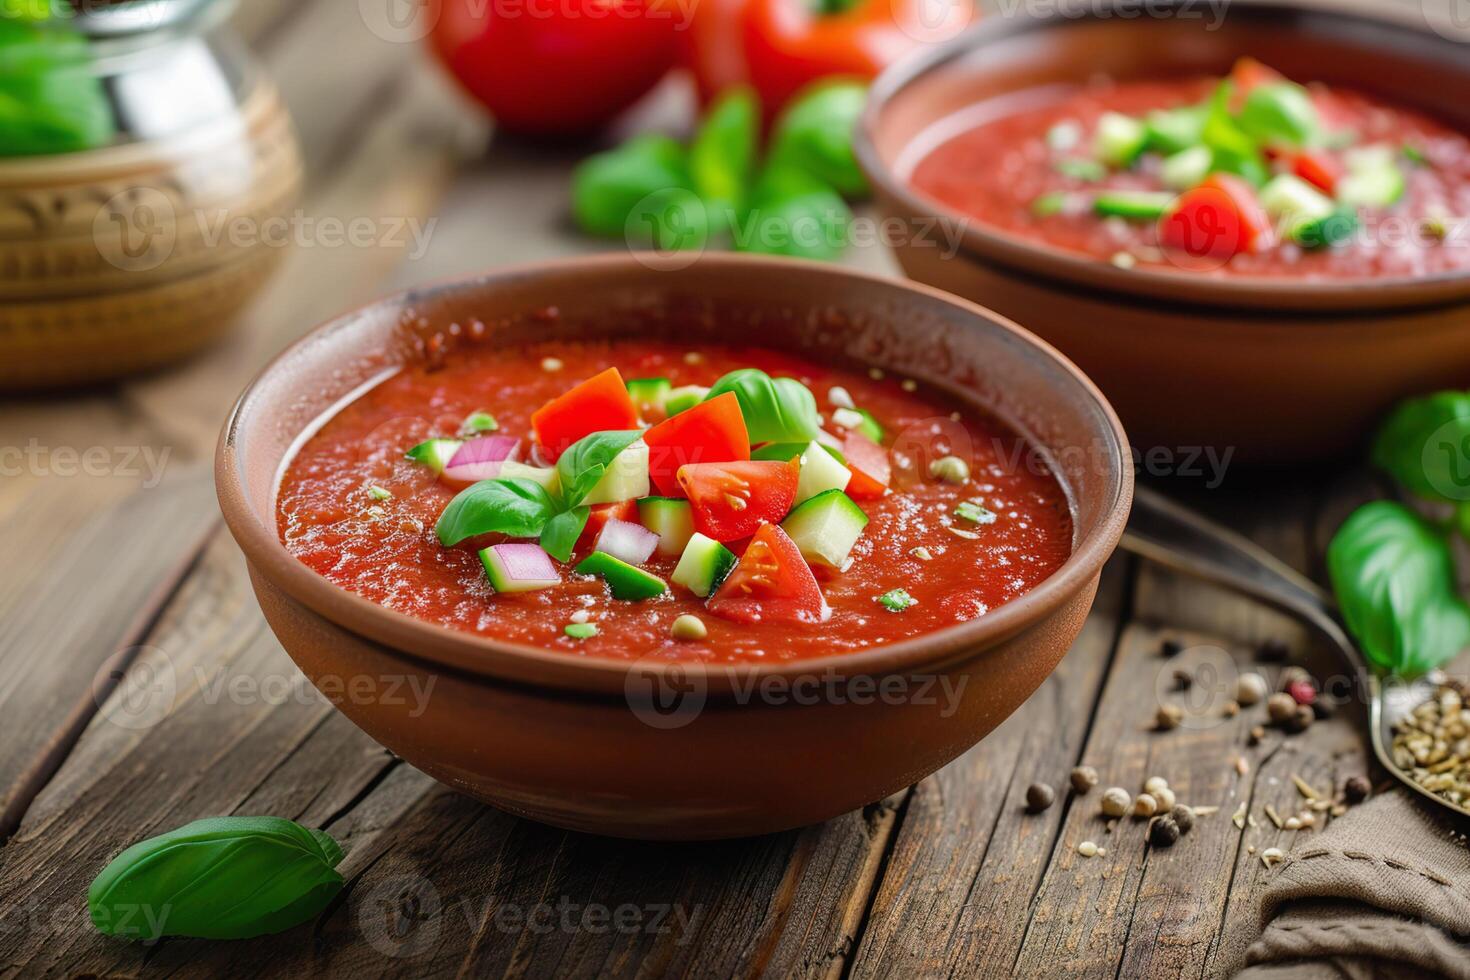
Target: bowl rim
[[468, 653], [990, 243]]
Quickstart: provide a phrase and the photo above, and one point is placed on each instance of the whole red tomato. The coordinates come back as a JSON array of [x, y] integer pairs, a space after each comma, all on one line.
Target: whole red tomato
[[556, 67]]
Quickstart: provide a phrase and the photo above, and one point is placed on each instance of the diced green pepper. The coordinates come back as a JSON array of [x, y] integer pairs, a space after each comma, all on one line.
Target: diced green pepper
[[1119, 139], [1135, 205]]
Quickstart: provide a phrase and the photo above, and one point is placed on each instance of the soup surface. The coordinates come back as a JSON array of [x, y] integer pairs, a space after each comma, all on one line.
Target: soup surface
[[1251, 175], [961, 515]]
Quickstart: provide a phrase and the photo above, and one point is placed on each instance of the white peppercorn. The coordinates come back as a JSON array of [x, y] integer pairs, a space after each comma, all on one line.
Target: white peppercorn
[[1115, 801], [1165, 799], [1250, 688], [1084, 778], [1145, 805]]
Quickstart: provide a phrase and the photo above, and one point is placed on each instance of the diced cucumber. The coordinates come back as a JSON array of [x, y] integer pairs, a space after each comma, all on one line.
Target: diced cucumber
[[1080, 169], [1135, 205], [870, 426], [779, 451], [1326, 231], [626, 581], [649, 391], [1119, 139], [546, 476], [682, 399], [1048, 204], [1295, 205], [820, 472], [1374, 156], [505, 578], [1184, 169], [1172, 131], [626, 478], [478, 423], [826, 527], [671, 519], [1064, 136], [434, 453], [1376, 188], [704, 565]]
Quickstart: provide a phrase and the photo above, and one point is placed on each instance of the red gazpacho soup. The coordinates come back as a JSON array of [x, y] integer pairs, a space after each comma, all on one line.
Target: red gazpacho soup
[[1250, 175], [637, 498]]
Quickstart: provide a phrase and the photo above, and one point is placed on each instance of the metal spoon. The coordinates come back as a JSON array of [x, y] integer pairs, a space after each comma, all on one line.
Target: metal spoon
[[1164, 532]]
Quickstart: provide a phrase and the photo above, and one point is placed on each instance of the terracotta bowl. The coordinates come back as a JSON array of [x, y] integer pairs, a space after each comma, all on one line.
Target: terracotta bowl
[[660, 750], [1278, 370]]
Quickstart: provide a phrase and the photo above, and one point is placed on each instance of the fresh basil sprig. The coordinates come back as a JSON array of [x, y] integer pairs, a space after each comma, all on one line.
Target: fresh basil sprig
[[722, 156], [815, 134], [1424, 444], [607, 187], [1395, 583], [586, 460], [775, 409], [516, 507], [560, 535], [218, 878]]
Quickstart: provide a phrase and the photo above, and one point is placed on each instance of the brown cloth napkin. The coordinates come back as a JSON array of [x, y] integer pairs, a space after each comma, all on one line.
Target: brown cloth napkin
[[1384, 892]]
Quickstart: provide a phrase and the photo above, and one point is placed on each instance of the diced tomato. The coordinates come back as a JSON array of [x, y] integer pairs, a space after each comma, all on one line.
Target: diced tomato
[[771, 584], [1218, 219], [710, 432], [600, 514], [868, 461], [599, 404], [1319, 168], [732, 500]]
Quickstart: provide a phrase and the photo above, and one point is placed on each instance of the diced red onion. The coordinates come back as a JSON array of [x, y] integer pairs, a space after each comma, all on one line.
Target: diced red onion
[[630, 542], [481, 459], [524, 562]]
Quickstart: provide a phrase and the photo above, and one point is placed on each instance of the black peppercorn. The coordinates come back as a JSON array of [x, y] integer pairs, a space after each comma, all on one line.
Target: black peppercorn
[[1163, 832], [1183, 680], [1039, 796], [1322, 708], [1301, 720], [1272, 651], [1184, 817], [1356, 789], [1171, 648]]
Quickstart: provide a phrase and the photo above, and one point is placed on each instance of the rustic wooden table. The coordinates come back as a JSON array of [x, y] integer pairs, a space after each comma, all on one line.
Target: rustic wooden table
[[128, 569]]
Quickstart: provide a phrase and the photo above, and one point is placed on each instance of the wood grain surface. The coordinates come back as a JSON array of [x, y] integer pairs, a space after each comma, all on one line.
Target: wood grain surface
[[140, 688]]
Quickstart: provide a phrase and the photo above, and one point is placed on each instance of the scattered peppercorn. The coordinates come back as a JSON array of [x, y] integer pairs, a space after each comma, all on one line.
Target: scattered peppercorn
[[1163, 832], [1168, 717], [1039, 796], [1183, 817], [950, 469], [1251, 688], [1273, 651], [1301, 720], [1083, 779], [1183, 680], [1356, 789], [1256, 735], [1155, 784], [1171, 648], [1291, 675], [1302, 691], [1115, 801], [1087, 849], [1165, 799], [1323, 708], [1145, 805], [1231, 709], [1280, 707], [688, 627]]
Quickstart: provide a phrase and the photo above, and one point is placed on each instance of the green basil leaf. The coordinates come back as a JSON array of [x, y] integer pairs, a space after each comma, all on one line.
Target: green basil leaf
[[218, 878], [1424, 444], [607, 187], [562, 532], [1280, 112], [1234, 150], [50, 100], [517, 507], [671, 219], [793, 213], [587, 459], [722, 156], [815, 133], [775, 409], [1395, 583]]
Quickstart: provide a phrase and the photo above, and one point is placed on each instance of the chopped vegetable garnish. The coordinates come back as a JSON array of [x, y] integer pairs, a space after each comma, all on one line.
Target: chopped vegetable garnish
[[922, 553], [626, 581], [1048, 204], [1415, 155], [379, 493], [971, 511], [1119, 140], [434, 453], [950, 469], [599, 404], [1137, 205], [711, 432], [1079, 169], [771, 583], [580, 631], [896, 600], [478, 422]]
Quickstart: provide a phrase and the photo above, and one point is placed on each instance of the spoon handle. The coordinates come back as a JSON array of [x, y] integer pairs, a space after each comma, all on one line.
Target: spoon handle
[[1174, 536]]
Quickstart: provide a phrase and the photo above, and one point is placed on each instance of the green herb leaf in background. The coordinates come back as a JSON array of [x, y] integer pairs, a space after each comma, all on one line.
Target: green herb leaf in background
[[218, 878], [671, 220], [1424, 444], [561, 533], [796, 214], [1395, 584], [722, 158], [50, 100], [516, 507], [775, 409], [586, 461], [1280, 113], [815, 133], [606, 187]]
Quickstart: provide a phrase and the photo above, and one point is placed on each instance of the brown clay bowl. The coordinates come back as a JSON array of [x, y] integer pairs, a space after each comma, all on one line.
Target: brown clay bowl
[[578, 742], [1278, 370]]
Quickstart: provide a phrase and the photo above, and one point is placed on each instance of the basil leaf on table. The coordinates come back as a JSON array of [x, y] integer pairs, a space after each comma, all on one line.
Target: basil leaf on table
[[516, 507], [218, 878], [672, 220], [775, 409], [607, 187], [815, 133], [1395, 583], [722, 156], [562, 531], [1424, 444], [794, 213], [586, 461]]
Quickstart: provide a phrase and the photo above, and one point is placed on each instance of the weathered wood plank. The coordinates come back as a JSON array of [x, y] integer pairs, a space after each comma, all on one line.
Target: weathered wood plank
[[967, 856]]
